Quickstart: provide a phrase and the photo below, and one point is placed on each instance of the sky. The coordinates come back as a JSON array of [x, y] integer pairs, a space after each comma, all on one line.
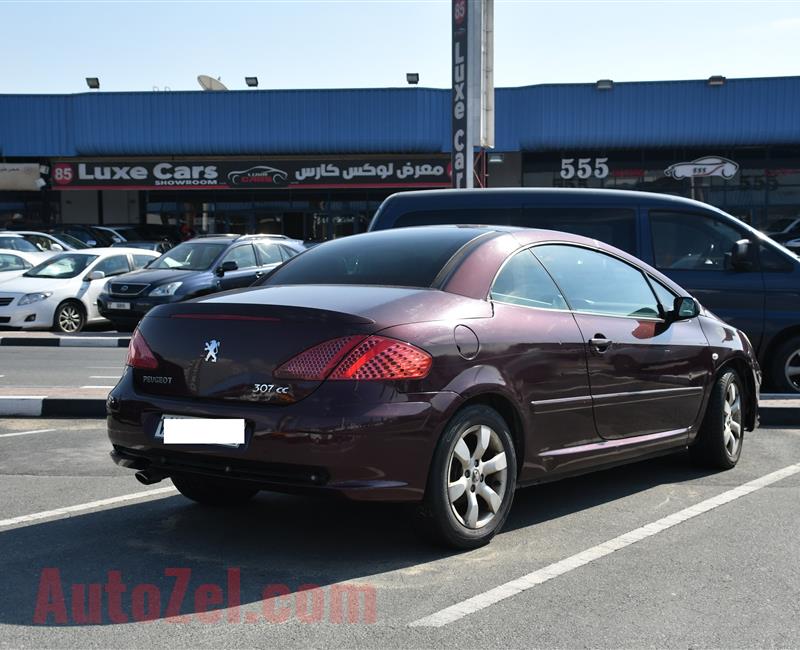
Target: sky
[[51, 46]]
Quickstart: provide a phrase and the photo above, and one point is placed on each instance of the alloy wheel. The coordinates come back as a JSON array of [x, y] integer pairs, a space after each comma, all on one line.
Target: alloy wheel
[[791, 370], [69, 318], [477, 476], [732, 425]]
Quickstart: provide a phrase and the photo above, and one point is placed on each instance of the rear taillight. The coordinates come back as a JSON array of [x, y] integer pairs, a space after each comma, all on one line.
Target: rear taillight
[[139, 353], [358, 357]]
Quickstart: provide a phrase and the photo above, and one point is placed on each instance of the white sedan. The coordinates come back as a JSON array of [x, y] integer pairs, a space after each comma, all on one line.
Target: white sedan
[[14, 263], [61, 293]]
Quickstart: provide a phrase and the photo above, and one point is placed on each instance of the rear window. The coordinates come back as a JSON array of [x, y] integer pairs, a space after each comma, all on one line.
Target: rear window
[[402, 258]]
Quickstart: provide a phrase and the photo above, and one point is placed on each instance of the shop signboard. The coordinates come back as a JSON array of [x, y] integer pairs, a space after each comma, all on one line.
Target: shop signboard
[[21, 177], [420, 172]]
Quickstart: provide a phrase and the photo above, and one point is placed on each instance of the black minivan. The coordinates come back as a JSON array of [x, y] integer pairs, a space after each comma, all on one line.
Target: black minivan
[[738, 273]]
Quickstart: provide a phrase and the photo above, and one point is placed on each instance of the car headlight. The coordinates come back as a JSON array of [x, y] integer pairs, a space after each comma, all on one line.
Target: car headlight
[[166, 289], [30, 298]]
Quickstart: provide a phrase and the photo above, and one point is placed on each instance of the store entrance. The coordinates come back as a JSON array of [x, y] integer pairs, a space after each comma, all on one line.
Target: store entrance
[[311, 219]]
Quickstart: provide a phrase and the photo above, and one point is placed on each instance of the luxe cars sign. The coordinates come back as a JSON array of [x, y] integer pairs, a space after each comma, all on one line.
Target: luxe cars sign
[[430, 171]]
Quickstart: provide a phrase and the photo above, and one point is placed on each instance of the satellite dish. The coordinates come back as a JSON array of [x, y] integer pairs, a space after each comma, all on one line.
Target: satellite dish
[[209, 83]]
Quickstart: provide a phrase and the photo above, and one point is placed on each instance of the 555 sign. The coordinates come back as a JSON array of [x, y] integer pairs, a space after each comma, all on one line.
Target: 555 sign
[[583, 168]]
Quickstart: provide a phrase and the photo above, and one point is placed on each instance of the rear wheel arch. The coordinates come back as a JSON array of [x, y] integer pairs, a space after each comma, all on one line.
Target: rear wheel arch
[[505, 407]]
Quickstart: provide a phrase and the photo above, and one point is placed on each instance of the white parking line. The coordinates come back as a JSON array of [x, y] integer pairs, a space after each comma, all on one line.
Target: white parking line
[[82, 507], [514, 587], [24, 433]]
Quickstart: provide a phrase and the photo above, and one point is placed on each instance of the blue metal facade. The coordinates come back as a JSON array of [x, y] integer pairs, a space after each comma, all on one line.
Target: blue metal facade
[[400, 120]]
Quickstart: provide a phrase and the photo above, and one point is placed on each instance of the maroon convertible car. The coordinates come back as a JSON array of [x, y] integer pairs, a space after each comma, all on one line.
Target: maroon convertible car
[[445, 365]]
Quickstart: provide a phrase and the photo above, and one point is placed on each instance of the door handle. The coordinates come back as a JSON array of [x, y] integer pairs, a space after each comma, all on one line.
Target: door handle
[[600, 342]]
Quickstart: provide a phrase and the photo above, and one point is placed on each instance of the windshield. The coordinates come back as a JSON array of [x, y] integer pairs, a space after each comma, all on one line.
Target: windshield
[[61, 266], [17, 244], [69, 240], [190, 256], [406, 257]]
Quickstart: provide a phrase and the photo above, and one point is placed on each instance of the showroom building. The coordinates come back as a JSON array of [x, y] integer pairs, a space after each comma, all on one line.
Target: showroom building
[[315, 164]]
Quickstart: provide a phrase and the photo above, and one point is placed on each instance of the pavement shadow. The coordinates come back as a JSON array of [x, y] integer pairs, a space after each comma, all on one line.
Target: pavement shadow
[[285, 541]]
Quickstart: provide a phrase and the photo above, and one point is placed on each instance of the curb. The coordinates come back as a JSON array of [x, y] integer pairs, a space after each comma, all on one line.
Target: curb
[[66, 342], [54, 407]]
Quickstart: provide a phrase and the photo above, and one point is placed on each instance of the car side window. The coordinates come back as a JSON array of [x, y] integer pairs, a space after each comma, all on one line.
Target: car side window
[[523, 281], [596, 283], [244, 256], [664, 295], [140, 261], [693, 242], [10, 262], [113, 265], [288, 253], [269, 253]]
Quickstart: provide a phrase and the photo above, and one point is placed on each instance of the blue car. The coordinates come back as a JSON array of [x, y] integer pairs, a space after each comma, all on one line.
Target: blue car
[[197, 267], [741, 275]]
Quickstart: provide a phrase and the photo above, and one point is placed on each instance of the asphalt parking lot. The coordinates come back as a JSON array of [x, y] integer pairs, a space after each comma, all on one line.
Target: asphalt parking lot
[[726, 577]]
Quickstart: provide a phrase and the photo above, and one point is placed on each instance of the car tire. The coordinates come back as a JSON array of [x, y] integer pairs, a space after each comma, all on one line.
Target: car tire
[[213, 492], [719, 442], [69, 317], [469, 494], [785, 362]]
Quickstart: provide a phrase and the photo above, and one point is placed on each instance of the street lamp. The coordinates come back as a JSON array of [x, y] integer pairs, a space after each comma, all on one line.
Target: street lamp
[[251, 81], [93, 82], [716, 80], [604, 84], [412, 78]]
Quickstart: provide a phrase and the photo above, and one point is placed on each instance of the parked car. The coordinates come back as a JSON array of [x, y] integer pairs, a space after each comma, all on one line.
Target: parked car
[[744, 277], [194, 268], [16, 242], [61, 292], [14, 263], [447, 365], [92, 236], [146, 233], [51, 243], [157, 246]]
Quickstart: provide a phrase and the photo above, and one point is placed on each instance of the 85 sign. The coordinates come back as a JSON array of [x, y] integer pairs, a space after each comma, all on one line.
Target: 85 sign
[[583, 168], [63, 173]]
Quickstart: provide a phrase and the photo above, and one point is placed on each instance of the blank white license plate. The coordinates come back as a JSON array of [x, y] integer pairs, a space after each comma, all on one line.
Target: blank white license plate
[[184, 430], [119, 305]]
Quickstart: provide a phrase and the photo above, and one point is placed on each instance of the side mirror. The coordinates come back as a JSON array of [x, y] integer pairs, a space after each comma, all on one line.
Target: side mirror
[[742, 255], [95, 275], [56, 247], [684, 308], [225, 267]]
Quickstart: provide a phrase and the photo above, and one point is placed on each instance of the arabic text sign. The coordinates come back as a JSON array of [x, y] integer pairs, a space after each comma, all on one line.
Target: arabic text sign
[[20, 176]]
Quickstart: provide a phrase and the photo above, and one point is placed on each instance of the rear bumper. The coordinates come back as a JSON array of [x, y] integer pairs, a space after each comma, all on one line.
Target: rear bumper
[[328, 442]]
